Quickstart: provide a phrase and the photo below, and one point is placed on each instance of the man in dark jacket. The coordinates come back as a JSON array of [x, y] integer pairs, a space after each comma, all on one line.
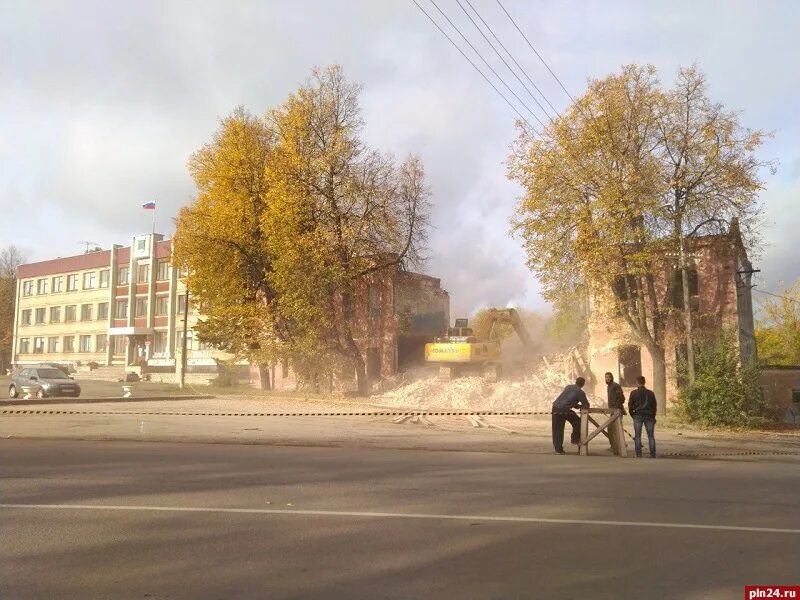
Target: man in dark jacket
[[573, 396], [616, 397], [642, 406]]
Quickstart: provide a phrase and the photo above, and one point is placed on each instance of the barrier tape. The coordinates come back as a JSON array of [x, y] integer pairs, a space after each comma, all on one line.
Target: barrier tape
[[480, 413]]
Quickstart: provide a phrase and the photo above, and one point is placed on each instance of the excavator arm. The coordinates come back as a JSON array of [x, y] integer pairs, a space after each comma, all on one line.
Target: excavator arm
[[491, 317]]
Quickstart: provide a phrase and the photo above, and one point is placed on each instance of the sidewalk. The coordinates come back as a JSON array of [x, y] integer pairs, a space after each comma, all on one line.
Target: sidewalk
[[237, 420]]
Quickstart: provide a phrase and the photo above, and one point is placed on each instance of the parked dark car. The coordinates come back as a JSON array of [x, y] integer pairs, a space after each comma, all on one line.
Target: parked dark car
[[48, 382], [60, 367]]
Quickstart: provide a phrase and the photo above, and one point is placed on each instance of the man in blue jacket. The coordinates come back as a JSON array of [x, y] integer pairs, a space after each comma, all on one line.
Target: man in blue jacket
[[642, 407], [573, 396]]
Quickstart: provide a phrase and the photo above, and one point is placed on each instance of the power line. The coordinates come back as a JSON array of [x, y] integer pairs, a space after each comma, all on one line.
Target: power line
[[488, 41], [519, 66], [544, 62], [474, 66], [776, 295], [485, 62]]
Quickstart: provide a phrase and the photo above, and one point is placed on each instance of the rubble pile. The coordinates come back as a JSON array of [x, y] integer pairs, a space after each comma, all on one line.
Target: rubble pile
[[534, 390]]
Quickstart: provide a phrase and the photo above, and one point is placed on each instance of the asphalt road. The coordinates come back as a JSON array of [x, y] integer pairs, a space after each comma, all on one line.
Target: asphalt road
[[131, 520]]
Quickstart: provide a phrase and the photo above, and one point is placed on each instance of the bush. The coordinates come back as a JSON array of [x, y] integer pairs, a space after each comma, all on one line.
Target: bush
[[223, 381], [724, 393]]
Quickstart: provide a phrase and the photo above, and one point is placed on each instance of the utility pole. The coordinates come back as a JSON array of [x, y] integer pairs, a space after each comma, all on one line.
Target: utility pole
[[184, 344], [687, 308]]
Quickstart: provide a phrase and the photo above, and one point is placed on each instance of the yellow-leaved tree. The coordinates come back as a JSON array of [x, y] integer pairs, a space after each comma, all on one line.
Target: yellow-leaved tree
[[341, 211], [293, 211], [619, 182]]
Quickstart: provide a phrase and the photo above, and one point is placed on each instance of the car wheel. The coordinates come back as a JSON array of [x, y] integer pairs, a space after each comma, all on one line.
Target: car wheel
[[40, 393], [12, 391]]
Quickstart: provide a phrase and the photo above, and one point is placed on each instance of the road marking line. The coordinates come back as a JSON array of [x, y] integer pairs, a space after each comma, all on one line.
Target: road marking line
[[385, 515]]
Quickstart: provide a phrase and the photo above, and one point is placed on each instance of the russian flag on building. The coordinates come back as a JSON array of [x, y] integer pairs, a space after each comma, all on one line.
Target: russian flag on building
[[149, 205]]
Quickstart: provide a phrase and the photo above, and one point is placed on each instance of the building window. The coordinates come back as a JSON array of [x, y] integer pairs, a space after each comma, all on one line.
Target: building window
[[52, 345], [27, 288], [72, 283], [105, 278], [141, 244], [181, 304], [121, 309], [119, 345], [677, 289], [26, 317], [141, 307], [162, 303], [55, 314], [160, 343], [122, 276], [58, 284], [163, 270], [101, 342], [70, 313], [630, 365], [374, 302], [90, 280], [189, 340], [86, 312], [69, 343], [86, 343], [102, 310], [38, 345], [24, 345], [142, 273], [41, 286], [41, 315]]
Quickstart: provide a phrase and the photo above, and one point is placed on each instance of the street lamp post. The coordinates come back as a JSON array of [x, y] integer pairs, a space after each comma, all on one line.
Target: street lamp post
[[183, 343]]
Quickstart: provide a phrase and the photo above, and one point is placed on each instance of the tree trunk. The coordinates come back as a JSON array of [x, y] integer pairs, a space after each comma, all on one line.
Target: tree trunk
[[659, 378], [349, 344], [263, 375]]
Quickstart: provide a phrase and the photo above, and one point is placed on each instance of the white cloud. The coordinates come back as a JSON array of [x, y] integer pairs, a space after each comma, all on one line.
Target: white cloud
[[104, 101]]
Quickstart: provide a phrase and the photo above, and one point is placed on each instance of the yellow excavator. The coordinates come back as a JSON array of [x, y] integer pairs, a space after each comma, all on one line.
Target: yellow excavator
[[476, 348]]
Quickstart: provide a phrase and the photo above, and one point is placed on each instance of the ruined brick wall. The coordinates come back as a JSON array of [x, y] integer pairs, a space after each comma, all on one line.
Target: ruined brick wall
[[396, 312], [422, 306], [375, 326], [722, 301]]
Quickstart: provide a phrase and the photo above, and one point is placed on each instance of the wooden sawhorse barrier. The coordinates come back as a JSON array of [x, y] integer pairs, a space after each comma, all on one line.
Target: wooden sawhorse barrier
[[611, 427]]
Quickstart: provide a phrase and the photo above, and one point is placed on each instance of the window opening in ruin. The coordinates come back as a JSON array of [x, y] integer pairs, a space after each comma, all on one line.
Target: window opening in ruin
[[373, 362], [630, 365], [677, 289], [374, 301]]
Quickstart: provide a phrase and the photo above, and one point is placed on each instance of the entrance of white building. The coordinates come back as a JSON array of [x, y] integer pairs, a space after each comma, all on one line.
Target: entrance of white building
[[139, 345]]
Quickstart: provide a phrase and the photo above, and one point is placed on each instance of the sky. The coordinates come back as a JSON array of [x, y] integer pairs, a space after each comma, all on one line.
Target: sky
[[102, 103]]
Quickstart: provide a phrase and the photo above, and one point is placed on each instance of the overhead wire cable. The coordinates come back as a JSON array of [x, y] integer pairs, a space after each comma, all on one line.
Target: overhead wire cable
[[474, 66], [485, 62], [544, 62], [755, 289], [514, 60]]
